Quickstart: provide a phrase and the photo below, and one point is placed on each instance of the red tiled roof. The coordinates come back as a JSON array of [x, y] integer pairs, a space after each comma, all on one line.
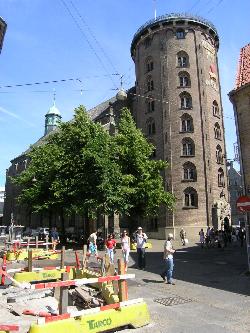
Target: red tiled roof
[[243, 73]]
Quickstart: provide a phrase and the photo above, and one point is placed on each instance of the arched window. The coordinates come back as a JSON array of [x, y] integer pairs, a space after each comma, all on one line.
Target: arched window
[[187, 123], [150, 83], [221, 181], [149, 64], [185, 101], [190, 197], [216, 110], [189, 172], [184, 79], [150, 104], [182, 59], [180, 34], [150, 124], [217, 131], [219, 155], [188, 147]]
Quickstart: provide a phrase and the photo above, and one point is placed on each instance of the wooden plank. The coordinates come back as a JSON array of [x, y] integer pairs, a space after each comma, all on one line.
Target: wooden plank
[[36, 242], [63, 299], [84, 294], [62, 257], [29, 260], [123, 286], [84, 258]]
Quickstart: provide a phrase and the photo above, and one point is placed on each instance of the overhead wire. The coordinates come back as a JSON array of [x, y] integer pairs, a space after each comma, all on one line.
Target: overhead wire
[[88, 41], [194, 5], [213, 8], [94, 37]]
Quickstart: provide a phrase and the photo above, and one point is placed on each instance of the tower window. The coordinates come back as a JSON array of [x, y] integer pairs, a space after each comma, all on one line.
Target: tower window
[[216, 111], [180, 34], [188, 148], [219, 155], [149, 65], [217, 131], [150, 84], [187, 123], [221, 181], [189, 172], [150, 127], [184, 79], [185, 101], [190, 198], [182, 59], [150, 104]]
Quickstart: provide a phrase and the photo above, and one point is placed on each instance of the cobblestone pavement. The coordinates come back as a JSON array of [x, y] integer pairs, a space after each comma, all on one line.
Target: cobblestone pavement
[[212, 291]]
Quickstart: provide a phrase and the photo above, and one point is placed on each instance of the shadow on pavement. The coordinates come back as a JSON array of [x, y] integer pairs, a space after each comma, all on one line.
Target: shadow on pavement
[[211, 267]]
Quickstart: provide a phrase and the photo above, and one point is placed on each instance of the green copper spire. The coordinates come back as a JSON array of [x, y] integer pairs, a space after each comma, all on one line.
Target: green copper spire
[[52, 117]]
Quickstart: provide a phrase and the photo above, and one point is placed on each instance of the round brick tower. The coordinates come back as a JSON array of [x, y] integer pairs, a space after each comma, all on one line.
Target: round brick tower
[[177, 105]]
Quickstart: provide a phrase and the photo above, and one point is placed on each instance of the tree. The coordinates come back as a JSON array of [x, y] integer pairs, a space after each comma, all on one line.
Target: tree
[[145, 191], [82, 169]]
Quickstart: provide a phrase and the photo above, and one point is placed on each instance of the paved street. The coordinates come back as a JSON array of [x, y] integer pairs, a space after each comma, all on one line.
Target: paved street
[[212, 282], [212, 291]]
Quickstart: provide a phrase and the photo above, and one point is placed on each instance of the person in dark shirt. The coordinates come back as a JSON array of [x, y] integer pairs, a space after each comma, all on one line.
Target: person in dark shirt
[[54, 238]]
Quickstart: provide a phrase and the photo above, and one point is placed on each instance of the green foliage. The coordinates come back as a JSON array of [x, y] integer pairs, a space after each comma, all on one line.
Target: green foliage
[[145, 192], [80, 168]]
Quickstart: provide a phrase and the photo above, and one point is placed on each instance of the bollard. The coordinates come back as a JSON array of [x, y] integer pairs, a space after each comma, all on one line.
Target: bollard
[[63, 298], [29, 260], [28, 243], [36, 242], [4, 267], [78, 265], [123, 285], [47, 241], [84, 258], [62, 257]]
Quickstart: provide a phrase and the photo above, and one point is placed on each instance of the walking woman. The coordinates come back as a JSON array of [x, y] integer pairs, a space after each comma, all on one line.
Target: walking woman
[[110, 246], [125, 241]]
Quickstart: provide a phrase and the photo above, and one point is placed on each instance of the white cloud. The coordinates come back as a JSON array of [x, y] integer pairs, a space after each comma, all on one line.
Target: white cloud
[[16, 116]]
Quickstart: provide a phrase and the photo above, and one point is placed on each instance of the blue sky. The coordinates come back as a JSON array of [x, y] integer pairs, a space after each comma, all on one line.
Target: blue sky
[[44, 43]]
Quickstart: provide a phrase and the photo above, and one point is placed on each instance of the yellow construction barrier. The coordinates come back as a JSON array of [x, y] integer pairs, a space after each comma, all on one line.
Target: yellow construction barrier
[[135, 315], [36, 253]]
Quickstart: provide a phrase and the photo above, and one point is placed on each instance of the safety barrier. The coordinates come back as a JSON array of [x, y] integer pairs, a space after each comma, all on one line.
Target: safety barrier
[[9, 328], [80, 282], [134, 313]]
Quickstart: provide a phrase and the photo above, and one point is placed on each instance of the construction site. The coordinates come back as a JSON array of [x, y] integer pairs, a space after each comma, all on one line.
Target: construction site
[[45, 290]]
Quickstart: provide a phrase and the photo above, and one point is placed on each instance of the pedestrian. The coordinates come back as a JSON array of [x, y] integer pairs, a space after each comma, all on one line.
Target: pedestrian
[[167, 275], [54, 238], [141, 239], [110, 247], [92, 247], [183, 235], [241, 236], [202, 238], [125, 241]]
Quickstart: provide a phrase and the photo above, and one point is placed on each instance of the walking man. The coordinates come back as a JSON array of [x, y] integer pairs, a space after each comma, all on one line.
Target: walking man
[[169, 260], [141, 239]]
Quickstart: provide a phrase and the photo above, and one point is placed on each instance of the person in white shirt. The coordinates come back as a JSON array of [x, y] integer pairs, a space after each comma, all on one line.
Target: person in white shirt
[[141, 239], [92, 243], [169, 260]]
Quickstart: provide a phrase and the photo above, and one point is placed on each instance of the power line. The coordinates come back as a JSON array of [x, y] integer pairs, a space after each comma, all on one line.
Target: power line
[[212, 8], [203, 6], [93, 36], [195, 4], [89, 43], [38, 83]]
